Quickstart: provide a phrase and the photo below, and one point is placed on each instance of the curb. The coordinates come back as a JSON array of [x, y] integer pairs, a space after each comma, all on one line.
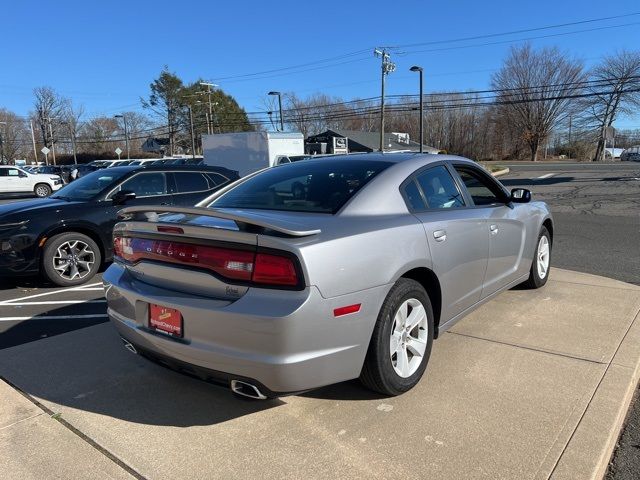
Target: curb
[[499, 173], [591, 447]]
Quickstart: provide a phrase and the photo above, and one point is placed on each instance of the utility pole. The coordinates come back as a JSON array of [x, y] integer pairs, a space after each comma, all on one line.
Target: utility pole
[[33, 139], [193, 138], [53, 147], [126, 132], [2, 145], [210, 119], [415, 68], [570, 118], [387, 67]]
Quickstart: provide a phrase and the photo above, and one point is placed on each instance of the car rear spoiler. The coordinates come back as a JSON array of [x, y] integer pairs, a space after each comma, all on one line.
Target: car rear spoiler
[[284, 227]]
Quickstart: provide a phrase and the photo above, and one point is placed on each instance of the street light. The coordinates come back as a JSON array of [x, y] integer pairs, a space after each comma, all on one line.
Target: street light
[[416, 68], [126, 131], [279, 108]]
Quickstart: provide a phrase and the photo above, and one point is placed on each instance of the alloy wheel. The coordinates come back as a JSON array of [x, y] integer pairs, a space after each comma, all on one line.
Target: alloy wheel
[[409, 336], [543, 256], [42, 191], [74, 259]]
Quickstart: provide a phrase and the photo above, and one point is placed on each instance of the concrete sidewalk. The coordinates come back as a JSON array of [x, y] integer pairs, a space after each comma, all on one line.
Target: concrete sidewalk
[[35, 446], [533, 385]]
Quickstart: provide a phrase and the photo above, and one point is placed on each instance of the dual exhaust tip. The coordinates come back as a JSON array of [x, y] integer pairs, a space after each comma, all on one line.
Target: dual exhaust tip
[[239, 387]]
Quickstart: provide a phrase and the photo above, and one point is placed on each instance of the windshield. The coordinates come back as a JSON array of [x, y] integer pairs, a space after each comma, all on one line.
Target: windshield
[[322, 186], [87, 187]]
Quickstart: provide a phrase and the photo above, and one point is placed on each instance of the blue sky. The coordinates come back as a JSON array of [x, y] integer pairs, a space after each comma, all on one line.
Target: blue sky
[[104, 54]]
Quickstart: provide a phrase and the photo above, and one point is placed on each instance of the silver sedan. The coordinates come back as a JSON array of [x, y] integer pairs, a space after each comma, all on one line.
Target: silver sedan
[[321, 271]]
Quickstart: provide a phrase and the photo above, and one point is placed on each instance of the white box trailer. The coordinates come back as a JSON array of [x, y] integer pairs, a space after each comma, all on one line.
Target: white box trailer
[[247, 152]]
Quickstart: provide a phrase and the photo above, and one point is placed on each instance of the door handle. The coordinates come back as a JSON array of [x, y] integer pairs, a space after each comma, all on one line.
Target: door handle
[[440, 235], [494, 229]]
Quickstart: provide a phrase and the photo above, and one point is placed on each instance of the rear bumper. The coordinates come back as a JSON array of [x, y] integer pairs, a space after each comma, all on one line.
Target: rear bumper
[[285, 341]]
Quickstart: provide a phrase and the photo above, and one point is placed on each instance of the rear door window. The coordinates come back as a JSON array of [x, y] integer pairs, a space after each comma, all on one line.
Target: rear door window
[[187, 182], [439, 188]]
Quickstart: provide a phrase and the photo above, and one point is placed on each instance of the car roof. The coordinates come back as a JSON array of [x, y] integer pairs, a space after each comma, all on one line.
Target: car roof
[[394, 157], [168, 167]]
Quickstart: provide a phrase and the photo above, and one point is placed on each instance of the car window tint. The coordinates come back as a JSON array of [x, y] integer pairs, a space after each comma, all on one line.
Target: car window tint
[[322, 186], [146, 184], [482, 190], [413, 196], [190, 182], [216, 179], [439, 188]]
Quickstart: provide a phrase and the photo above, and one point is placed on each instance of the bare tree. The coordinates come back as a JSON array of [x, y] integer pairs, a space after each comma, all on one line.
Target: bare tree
[[14, 140], [536, 91], [139, 127], [615, 89], [71, 118], [49, 107], [98, 135]]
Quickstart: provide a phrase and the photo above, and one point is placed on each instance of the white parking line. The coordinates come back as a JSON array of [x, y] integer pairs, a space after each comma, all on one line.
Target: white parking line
[[37, 295], [52, 302], [546, 175], [52, 317]]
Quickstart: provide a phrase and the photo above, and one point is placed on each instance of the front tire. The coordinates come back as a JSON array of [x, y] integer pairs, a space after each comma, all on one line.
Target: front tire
[[42, 190], [401, 342], [70, 259], [541, 265]]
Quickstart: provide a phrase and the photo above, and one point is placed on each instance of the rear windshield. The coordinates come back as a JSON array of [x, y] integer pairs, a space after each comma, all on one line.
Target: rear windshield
[[322, 186]]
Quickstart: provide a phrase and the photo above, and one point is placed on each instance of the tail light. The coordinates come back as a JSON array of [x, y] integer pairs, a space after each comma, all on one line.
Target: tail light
[[264, 269]]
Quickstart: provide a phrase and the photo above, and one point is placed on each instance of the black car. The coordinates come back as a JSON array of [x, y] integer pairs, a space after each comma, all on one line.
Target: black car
[[67, 236]]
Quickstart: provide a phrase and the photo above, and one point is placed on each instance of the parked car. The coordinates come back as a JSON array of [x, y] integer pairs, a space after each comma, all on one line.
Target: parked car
[[67, 237], [187, 161], [145, 161], [631, 154], [320, 271], [14, 180]]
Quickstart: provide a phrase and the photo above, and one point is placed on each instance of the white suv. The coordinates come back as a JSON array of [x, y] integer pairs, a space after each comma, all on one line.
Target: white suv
[[16, 180]]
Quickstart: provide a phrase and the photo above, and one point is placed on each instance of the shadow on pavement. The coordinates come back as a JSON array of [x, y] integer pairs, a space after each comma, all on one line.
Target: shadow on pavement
[[89, 370]]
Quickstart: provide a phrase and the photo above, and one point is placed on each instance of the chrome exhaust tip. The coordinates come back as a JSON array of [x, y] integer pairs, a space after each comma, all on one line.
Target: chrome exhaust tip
[[129, 346], [246, 390]]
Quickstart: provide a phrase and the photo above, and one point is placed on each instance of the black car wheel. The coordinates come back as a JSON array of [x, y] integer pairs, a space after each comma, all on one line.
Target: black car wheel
[[70, 259]]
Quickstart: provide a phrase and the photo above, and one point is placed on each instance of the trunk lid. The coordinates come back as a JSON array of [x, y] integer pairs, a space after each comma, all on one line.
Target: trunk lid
[[175, 243]]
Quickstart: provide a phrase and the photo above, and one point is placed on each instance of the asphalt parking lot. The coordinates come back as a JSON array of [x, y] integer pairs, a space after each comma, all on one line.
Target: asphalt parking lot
[[597, 225]]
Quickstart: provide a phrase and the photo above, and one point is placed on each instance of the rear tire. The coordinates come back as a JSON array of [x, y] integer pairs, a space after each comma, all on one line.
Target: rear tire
[[70, 259], [405, 323], [541, 264], [42, 190]]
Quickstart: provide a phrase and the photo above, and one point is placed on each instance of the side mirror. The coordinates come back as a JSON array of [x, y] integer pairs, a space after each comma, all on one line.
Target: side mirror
[[520, 195], [122, 197], [22, 175]]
